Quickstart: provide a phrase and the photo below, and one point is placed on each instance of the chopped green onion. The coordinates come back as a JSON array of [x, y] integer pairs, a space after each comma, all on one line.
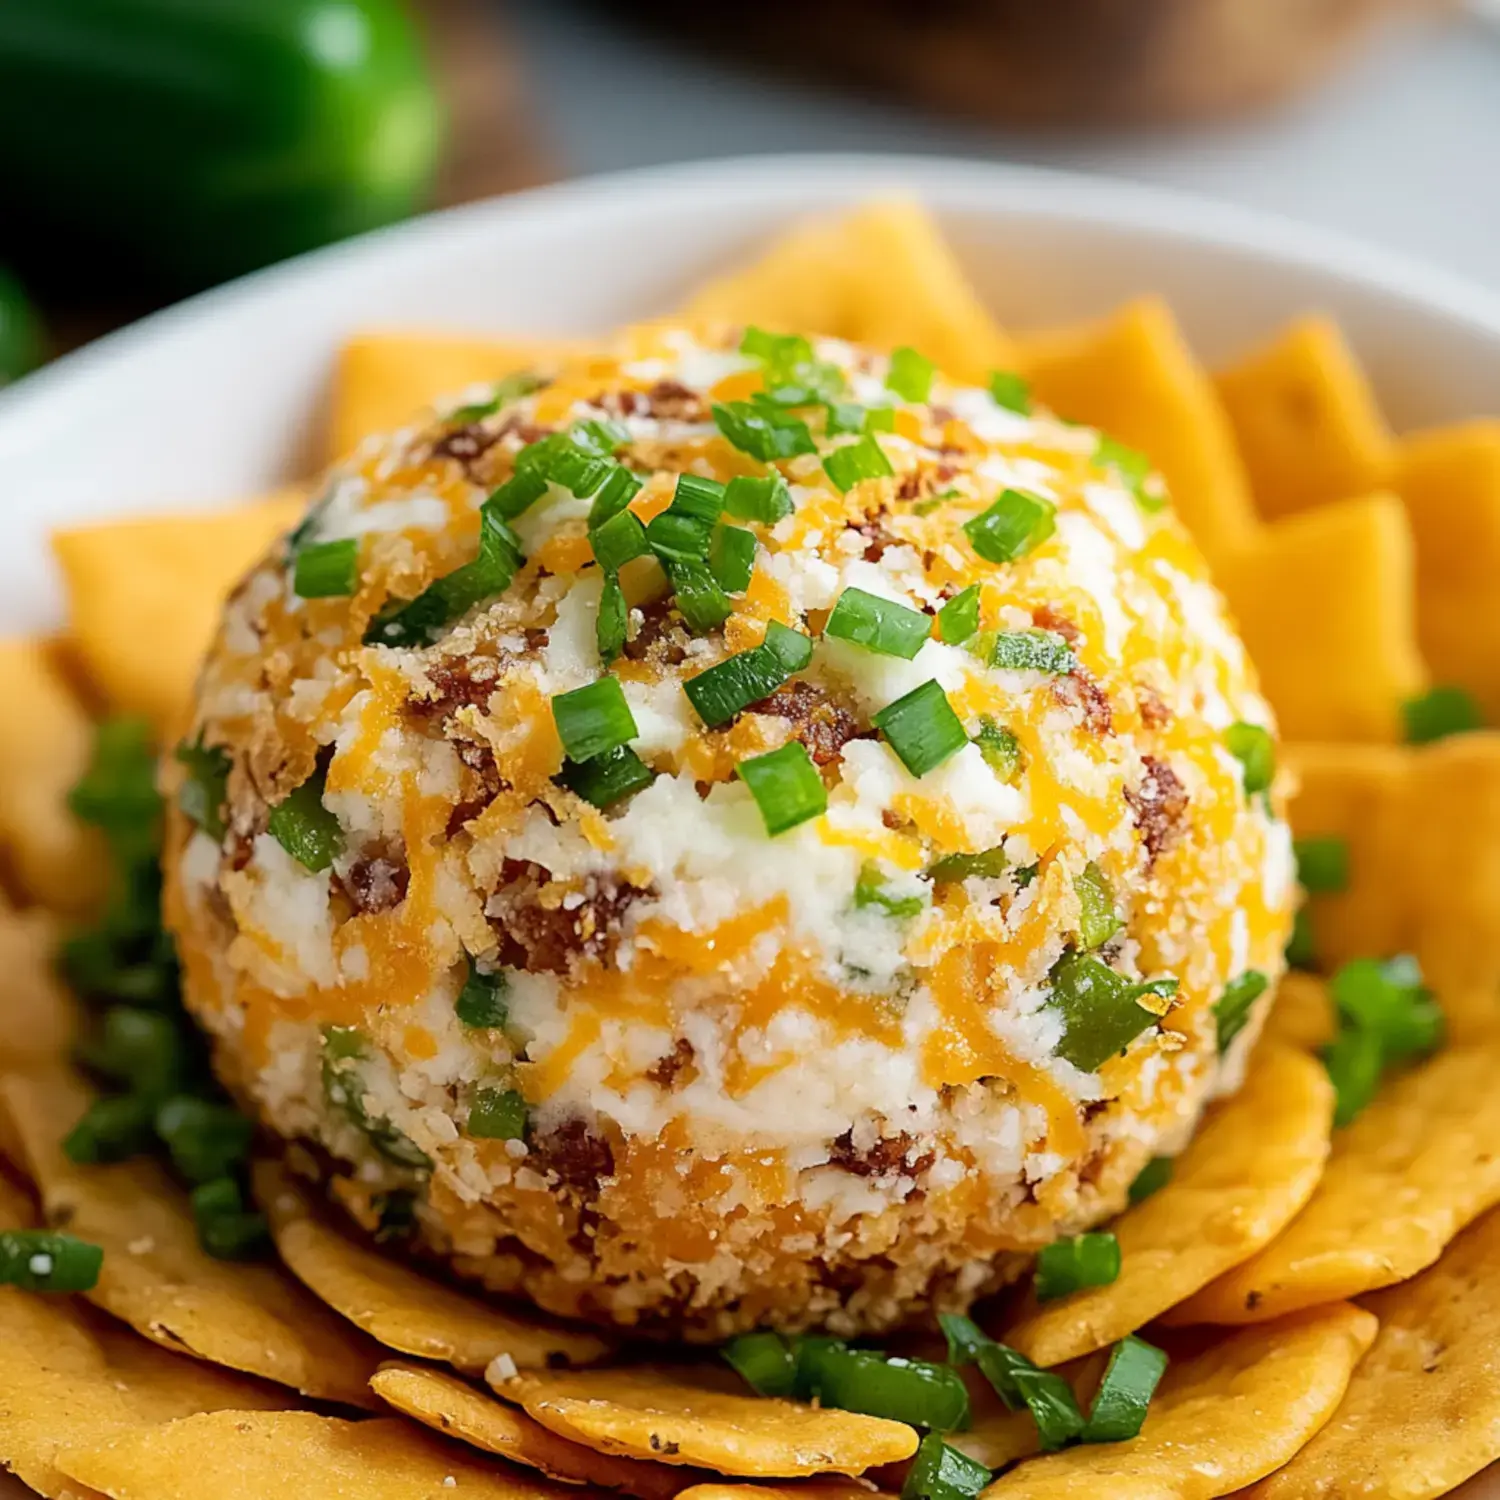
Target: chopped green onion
[[1017, 523], [702, 604], [846, 416], [327, 570], [304, 827], [593, 719], [1389, 999], [345, 1054], [117, 793], [1101, 1010], [206, 789], [1255, 750], [902, 1390], [481, 1002], [942, 1472], [762, 431], [397, 1210], [731, 558], [497, 1115], [1354, 1060], [206, 1140], [518, 494], [1133, 468], [111, 1129], [922, 728], [1069, 1265], [1232, 1008], [786, 351], [767, 500], [1322, 864], [856, 461], [1011, 391], [226, 1230], [910, 375], [1097, 920], [764, 1361], [958, 619], [620, 487], [607, 778], [1438, 713], [871, 890], [143, 1050], [786, 787], [1017, 1381], [620, 540], [988, 864], [611, 622], [793, 377], [745, 678], [1301, 947], [682, 532], [38, 1260], [1152, 1178], [878, 624], [1130, 1379], [1032, 651], [1000, 748], [474, 411], [879, 419]]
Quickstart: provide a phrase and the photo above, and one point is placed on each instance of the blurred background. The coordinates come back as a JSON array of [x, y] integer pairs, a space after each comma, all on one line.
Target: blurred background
[[150, 148]]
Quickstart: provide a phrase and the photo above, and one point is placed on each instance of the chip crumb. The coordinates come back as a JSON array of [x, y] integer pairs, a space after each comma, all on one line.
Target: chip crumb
[[501, 1367], [143, 1245]]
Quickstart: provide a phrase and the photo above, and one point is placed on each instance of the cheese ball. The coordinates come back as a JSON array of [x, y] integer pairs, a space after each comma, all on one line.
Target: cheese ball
[[733, 831]]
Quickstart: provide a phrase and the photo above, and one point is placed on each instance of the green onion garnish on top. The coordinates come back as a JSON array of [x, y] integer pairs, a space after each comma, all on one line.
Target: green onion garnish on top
[[910, 375], [901, 1390], [481, 1002], [304, 827], [987, 864], [1097, 919], [206, 789], [614, 495], [763, 431], [112, 1129], [942, 1472], [1017, 523], [871, 890], [1069, 1265], [1101, 1010], [1032, 651], [1011, 391], [862, 459], [1133, 468], [608, 778], [1438, 713], [1232, 1008], [958, 619], [39, 1260], [1130, 1379], [1017, 1381], [1322, 864], [145, 1052], [784, 351], [206, 1140], [327, 570], [731, 558], [766, 499], [764, 1361], [1152, 1178], [593, 719], [1386, 1016], [701, 602], [620, 540], [612, 620], [518, 493], [786, 787], [226, 1229], [1000, 748], [878, 624], [733, 684], [1255, 750], [496, 1115], [682, 532], [922, 728]]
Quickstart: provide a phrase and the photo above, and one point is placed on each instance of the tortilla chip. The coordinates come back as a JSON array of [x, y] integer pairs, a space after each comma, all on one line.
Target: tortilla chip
[[1326, 603], [1422, 1412], [398, 1306], [1419, 1164], [1449, 480], [1253, 1163], [1135, 378], [144, 596], [383, 380], [449, 1405], [45, 741], [1306, 421], [802, 1489], [1218, 1421], [882, 276], [235, 1455], [253, 1318], [38, 1019], [679, 1417], [1303, 1014]]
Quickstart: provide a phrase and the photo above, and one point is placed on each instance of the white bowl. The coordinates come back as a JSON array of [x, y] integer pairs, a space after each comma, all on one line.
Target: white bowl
[[218, 398]]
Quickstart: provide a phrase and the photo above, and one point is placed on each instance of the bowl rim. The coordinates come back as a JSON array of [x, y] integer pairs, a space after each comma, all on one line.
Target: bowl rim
[[981, 185]]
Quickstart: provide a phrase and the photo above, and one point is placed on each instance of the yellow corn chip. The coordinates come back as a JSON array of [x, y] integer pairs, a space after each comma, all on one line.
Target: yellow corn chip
[[144, 596], [253, 1318], [236, 1455], [45, 739], [882, 275], [1303, 1014], [448, 1405], [1220, 1420], [383, 380], [679, 1417], [1422, 1412], [1304, 415], [1403, 1179], [398, 1306], [1449, 480], [802, 1489], [1254, 1162], [1326, 603], [1135, 378], [38, 1019]]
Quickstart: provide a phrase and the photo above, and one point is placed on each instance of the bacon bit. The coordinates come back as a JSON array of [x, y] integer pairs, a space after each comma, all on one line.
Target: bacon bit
[[1079, 691], [822, 725], [459, 682], [662, 636], [1159, 804], [671, 401], [1044, 617], [877, 539], [1152, 707], [466, 444], [572, 1153], [925, 480], [376, 883], [887, 1156], [545, 927], [665, 1070]]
